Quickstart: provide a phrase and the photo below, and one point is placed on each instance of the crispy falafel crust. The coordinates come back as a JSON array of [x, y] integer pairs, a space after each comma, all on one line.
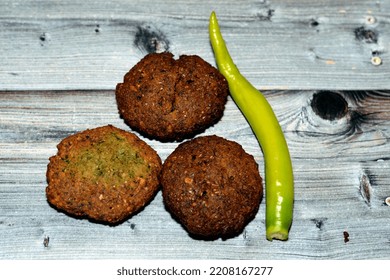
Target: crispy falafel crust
[[212, 186], [105, 174], [171, 100]]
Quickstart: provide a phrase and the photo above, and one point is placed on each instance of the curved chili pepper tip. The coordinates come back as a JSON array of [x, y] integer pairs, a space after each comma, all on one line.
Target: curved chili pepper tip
[[279, 181]]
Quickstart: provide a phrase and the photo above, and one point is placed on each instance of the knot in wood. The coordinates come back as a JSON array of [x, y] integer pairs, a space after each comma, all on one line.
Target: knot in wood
[[329, 105], [366, 35]]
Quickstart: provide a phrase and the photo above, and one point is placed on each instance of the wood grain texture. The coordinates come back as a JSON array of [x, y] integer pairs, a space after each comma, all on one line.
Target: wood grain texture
[[61, 60], [341, 172], [57, 45]]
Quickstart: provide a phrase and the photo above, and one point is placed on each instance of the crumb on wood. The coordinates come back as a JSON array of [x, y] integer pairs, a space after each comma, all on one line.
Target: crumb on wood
[[46, 241], [346, 236]]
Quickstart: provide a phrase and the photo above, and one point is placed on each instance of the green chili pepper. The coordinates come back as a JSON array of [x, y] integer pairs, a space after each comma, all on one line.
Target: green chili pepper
[[279, 181]]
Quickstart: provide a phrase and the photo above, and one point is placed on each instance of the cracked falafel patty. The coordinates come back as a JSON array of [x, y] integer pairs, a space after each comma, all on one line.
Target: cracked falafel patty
[[171, 100], [212, 186], [105, 174]]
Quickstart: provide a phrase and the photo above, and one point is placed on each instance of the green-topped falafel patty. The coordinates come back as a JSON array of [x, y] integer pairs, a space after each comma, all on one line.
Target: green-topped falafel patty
[[105, 174]]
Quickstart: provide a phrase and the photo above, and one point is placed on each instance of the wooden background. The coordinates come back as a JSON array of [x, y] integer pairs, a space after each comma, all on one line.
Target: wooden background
[[61, 60]]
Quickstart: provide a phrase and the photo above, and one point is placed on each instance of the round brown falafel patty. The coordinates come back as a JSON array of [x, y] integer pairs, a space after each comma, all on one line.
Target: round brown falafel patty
[[104, 174], [212, 186], [171, 100]]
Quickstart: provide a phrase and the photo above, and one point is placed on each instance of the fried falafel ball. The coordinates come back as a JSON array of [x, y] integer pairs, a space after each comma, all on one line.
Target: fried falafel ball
[[211, 186], [105, 174], [171, 100]]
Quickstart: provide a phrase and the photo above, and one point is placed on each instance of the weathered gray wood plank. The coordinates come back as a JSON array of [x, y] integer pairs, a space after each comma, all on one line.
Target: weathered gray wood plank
[[277, 44], [341, 166], [341, 176]]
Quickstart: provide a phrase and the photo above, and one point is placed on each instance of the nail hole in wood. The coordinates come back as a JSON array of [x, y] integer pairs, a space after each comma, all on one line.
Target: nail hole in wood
[[314, 23], [376, 60], [370, 20]]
